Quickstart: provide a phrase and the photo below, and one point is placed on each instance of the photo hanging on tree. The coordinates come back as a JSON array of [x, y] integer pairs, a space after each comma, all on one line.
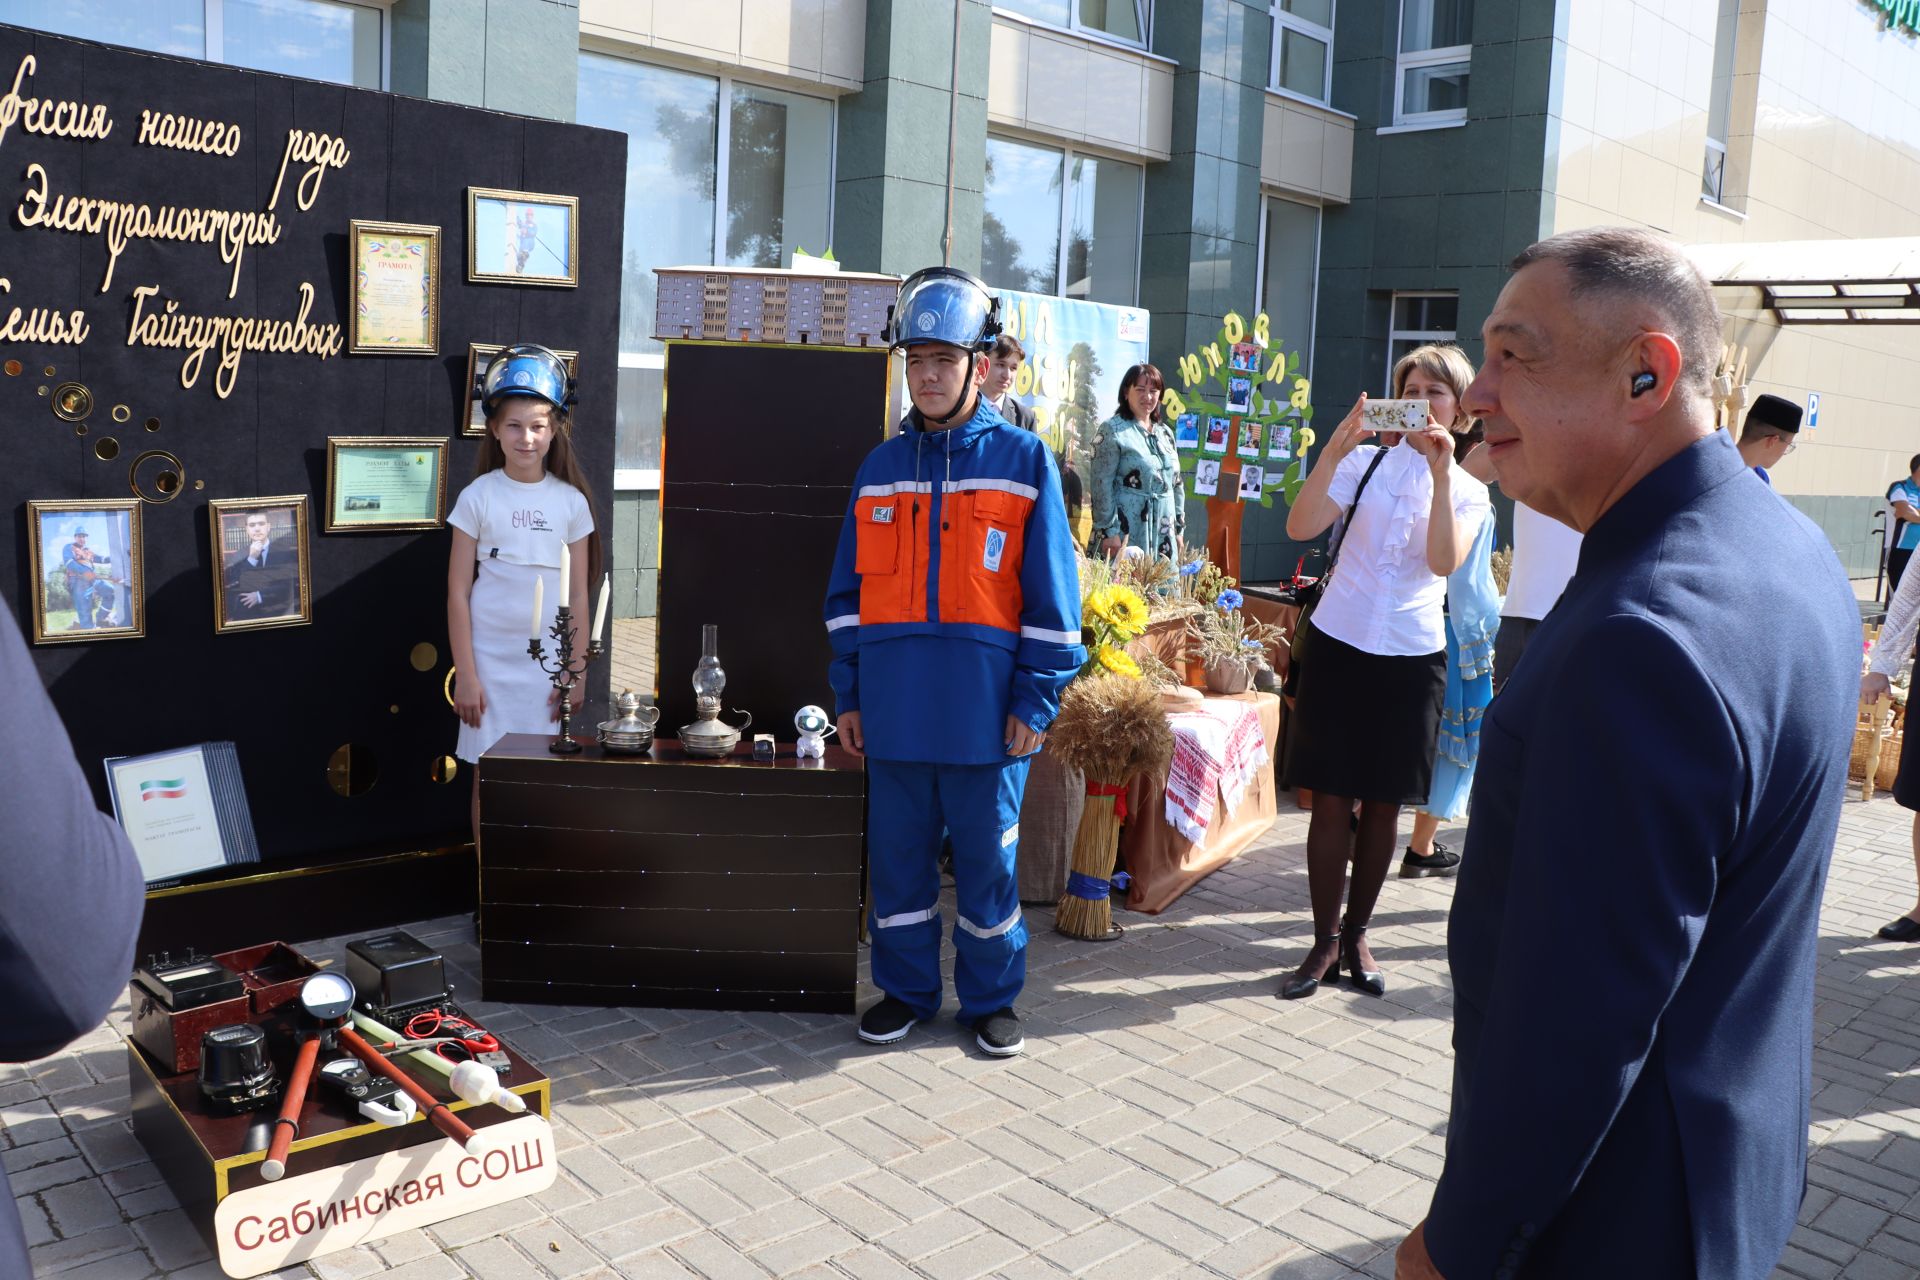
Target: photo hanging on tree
[[1249, 439], [1239, 395], [1250, 484], [1246, 357], [1279, 442], [1186, 431], [1206, 477], [1217, 432]]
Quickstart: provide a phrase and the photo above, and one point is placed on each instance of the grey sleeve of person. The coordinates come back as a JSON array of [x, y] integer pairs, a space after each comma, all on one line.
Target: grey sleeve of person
[[71, 889], [1106, 462], [1178, 487]]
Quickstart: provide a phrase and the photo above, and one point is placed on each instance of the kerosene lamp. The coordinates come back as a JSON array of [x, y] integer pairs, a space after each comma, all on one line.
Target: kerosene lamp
[[709, 736]]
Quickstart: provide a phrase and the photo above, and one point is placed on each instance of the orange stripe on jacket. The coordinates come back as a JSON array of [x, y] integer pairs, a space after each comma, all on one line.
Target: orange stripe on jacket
[[981, 549]]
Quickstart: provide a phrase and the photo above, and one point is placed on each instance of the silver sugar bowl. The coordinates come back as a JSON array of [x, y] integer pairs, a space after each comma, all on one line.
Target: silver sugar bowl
[[631, 732]]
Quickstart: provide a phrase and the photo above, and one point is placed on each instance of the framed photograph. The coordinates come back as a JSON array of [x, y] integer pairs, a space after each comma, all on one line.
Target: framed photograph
[[1251, 478], [1186, 431], [1239, 395], [261, 574], [386, 483], [87, 566], [1279, 442], [474, 421], [522, 237], [1246, 357], [1249, 439], [396, 289], [184, 811], [1217, 431], [1206, 476]]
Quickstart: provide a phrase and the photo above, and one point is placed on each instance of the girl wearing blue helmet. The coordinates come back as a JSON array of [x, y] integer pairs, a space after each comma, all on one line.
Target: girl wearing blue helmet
[[511, 525]]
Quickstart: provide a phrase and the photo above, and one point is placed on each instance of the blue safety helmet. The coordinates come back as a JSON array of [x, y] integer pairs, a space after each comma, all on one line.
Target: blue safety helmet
[[526, 369], [944, 304]]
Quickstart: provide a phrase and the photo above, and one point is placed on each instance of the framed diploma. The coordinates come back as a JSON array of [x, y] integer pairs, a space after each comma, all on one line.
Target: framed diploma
[[396, 289], [385, 483], [473, 418], [261, 576], [522, 237], [87, 565], [184, 811]]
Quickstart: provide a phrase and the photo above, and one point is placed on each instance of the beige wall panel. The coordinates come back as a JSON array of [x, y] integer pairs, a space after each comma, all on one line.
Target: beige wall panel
[[1056, 103], [1060, 87], [1007, 48], [1306, 149], [805, 43], [1336, 160]]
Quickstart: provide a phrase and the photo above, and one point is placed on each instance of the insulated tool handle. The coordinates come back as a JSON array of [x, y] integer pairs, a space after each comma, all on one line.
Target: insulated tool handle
[[291, 1101], [443, 1120]]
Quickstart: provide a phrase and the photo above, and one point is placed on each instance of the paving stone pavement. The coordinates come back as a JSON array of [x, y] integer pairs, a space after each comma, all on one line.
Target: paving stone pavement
[[1170, 1116]]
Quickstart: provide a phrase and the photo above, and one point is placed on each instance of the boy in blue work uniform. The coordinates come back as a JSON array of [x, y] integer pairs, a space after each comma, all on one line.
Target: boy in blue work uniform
[[954, 612]]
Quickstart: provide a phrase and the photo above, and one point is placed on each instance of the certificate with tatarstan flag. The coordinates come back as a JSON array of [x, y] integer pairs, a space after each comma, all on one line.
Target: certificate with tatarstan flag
[[185, 811]]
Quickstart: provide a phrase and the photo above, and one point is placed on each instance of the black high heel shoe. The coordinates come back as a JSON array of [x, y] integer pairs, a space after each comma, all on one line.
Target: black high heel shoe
[[1371, 981], [1298, 985]]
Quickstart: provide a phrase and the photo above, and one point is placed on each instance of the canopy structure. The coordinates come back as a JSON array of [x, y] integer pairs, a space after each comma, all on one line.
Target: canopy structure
[[1823, 281]]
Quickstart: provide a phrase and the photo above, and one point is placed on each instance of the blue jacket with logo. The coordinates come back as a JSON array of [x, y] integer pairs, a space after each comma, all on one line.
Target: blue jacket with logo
[[955, 597]]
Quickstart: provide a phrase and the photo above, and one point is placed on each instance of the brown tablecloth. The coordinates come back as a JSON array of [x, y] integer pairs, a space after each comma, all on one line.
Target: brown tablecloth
[[1161, 861]]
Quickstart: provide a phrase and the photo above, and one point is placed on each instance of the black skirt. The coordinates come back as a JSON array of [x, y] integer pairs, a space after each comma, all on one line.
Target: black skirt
[[1364, 725], [1906, 783]]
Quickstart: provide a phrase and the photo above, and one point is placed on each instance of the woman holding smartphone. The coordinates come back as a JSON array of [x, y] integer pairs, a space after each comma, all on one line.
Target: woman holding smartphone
[[1373, 665]]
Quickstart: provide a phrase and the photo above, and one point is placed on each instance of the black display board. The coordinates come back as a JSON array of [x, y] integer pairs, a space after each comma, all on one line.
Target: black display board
[[762, 442], [288, 698]]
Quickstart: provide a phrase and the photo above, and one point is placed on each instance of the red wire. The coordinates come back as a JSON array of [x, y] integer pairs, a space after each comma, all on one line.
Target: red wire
[[435, 1022]]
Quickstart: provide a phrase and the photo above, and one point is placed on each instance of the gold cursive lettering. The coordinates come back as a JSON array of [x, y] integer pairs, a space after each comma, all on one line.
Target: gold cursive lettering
[[119, 221], [189, 133], [44, 115], [323, 150], [42, 325], [233, 335]]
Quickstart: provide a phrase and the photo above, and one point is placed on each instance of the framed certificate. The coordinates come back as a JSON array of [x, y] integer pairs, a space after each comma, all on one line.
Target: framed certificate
[[260, 563], [473, 418], [522, 237], [184, 811], [396, 289], [385, 483], [87, 564]]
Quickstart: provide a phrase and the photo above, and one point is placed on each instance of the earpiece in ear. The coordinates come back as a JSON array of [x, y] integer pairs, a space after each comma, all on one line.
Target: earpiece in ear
[[1642, 383]]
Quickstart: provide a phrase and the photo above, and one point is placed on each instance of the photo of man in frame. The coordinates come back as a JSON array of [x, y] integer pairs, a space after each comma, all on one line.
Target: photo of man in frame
[[260, 564]]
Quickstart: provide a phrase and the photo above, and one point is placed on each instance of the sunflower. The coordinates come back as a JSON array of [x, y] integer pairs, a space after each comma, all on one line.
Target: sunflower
[[1118, 661], [1120, 608]]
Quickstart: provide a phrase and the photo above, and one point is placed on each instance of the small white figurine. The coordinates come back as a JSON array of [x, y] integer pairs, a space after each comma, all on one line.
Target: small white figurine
[[814, 729]]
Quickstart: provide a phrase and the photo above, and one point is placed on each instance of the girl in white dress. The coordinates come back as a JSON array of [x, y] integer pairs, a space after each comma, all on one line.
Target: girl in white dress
[[509, 530]]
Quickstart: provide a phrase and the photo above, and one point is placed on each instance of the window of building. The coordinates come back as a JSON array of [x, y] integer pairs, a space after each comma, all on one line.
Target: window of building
[[1302, 47], [684, 207], [1060, 222], [1290, 275], [1123, 20], [1420, 318], [319, 39], [1436, 50], [1713, 173]]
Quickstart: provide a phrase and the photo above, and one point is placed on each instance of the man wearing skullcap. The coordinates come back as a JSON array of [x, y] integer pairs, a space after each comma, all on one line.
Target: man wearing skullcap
[[1769, 434]]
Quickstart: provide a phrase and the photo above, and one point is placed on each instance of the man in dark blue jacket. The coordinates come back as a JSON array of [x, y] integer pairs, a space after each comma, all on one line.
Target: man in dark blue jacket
[[71, 893], [1633, 937]]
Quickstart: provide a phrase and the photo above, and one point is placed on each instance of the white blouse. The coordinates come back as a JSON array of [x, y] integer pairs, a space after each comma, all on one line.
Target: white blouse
[[1383, 598], [1895, 644]]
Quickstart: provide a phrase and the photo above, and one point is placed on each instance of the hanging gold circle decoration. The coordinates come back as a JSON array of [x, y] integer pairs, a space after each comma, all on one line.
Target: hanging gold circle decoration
[[153, 424], [447, 688], [156, 476], [352, 770], [423, 656], [106, 448], [15, 368], [72, 402], [445, 769], [121, 413]]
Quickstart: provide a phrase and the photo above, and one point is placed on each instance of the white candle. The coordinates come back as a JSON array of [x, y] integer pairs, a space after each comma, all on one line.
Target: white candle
[[566, 573], [600, 609], [538, 583]]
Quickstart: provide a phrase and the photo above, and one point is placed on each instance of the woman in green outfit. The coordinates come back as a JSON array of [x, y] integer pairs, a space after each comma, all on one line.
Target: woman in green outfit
[[1138, 496]]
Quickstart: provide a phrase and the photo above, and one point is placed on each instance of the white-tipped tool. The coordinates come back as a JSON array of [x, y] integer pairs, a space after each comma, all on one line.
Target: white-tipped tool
[[478, 1084]]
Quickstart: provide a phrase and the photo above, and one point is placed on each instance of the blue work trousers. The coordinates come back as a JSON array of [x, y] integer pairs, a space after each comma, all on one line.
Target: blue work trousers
[[979, 806]]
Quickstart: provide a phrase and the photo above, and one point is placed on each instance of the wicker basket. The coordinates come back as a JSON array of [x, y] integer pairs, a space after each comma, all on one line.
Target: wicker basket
[[1889, 763]]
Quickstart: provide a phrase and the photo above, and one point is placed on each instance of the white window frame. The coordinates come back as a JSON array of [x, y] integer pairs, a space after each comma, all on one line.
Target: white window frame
[[1417, 336], [1283, 21], [1143, 12], [1067, 155], [215, 22], [647, 479], [1267, 201], [1413, 61]]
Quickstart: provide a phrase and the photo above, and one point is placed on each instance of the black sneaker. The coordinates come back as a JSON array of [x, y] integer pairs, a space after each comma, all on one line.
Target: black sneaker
[[887, 1022], [1441, 862], [999, 1034]]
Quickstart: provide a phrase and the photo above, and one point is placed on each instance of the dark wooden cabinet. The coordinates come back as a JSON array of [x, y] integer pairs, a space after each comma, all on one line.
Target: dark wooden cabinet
[[667, 881]]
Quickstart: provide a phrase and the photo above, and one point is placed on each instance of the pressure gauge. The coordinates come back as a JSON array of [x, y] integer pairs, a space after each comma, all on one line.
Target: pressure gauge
[[327, 997]]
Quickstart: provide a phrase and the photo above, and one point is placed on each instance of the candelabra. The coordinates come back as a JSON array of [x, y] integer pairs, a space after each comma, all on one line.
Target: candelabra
[[565, 672]]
